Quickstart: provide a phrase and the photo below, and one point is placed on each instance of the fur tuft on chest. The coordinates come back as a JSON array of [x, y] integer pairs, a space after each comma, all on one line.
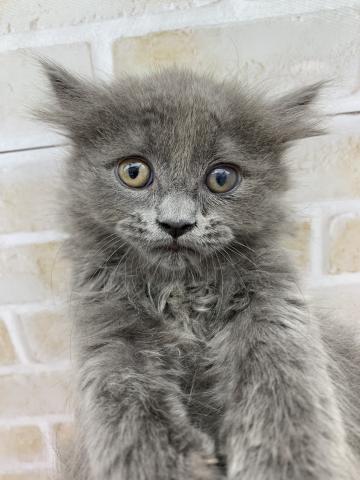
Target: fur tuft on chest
[[186, 309]]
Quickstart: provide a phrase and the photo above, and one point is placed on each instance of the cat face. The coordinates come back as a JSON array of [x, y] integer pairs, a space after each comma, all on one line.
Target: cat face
[[178, 166]]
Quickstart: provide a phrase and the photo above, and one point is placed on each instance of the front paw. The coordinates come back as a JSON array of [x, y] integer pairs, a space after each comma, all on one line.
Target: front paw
[[199, 458], [178, 454], [189, 455], [204, 467]]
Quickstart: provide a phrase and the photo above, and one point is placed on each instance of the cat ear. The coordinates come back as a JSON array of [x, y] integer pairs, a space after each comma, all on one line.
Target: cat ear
[[294, 116], [66, 87], [73, 97]]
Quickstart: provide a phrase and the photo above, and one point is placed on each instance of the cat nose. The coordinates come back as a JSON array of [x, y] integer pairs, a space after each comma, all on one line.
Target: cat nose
[[176, 229]]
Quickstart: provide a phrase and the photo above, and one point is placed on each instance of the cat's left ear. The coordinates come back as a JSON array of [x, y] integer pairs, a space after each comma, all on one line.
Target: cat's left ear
[[294, 115]]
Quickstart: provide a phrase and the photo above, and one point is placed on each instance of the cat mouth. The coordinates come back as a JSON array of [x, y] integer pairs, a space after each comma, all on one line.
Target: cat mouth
[[174, 247]]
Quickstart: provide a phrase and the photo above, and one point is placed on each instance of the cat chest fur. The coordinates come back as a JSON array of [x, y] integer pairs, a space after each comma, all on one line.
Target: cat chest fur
[[186, 310], [187, 316]]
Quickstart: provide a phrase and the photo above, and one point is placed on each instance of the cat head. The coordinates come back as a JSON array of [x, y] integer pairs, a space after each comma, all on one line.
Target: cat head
[[179, 166]]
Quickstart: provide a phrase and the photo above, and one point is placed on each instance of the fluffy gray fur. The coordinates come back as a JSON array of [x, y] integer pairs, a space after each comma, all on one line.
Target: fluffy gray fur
[[204, 363]]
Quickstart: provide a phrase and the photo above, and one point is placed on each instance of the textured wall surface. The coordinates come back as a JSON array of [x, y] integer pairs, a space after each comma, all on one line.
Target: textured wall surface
[[263, 42]]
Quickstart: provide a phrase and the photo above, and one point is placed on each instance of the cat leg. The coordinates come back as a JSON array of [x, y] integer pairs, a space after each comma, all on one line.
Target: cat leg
[[135, 426], [281, 419]]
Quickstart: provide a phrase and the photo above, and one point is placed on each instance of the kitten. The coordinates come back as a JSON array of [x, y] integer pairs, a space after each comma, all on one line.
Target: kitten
[[197, 357]]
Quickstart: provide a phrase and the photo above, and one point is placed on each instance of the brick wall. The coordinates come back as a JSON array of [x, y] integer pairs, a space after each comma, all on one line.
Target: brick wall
[[268, 42]]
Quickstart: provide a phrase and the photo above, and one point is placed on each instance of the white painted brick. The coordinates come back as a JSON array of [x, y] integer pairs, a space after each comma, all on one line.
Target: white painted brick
[[23, 87], [325, 168], [340, 304], [28, 190], [29, 15]]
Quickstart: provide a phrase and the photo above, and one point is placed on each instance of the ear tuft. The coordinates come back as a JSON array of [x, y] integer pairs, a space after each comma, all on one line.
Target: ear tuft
[[294, 116], [71, 110], [302, 97], [66, 87]]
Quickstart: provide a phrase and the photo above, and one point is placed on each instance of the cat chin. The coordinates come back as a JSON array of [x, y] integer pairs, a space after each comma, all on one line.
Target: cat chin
[[170, 262]]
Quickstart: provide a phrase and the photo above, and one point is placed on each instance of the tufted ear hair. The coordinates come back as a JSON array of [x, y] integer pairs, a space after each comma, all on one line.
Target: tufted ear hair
[[74, 101], [65, 86], [294, 116]]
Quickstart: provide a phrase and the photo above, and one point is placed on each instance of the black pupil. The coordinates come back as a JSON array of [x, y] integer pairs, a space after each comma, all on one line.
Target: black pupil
[[133, 170], [221, 177]]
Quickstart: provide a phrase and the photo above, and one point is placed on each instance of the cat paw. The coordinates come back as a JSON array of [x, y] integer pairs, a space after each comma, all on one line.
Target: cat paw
[[198, 458], [204, 467]]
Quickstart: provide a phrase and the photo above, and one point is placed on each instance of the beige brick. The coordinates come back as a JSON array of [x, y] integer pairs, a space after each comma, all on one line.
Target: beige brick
[[270, 51], [21, 444], [38, 394], [299, 244], [162, 49], [23, 88], [47, 335], [26, 476], [7, 353], [28, 194], [32, 272], [344, 248], [326, 168], [25, 15], [64, 435]]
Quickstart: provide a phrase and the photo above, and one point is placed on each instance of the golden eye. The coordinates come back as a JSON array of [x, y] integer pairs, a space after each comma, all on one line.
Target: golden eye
[[134, 172], [222, 179]]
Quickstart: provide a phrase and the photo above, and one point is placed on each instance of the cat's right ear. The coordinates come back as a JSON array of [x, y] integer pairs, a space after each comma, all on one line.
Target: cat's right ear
[[73, 100], [66, 87]]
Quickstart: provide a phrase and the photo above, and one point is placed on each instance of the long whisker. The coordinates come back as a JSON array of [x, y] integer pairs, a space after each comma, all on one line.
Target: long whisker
[[232, 247]]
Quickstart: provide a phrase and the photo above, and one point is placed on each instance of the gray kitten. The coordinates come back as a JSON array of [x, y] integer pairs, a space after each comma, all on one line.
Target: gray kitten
[[197, 357]]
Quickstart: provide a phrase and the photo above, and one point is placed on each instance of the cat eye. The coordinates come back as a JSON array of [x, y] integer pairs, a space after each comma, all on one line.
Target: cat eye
[[222, 178], [134, 172]]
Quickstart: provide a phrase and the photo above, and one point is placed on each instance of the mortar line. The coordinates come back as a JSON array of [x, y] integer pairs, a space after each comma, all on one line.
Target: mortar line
[[37, 420], [9, 240], [33, 368], [102, 58], [317, 245], [31, 149], [49, 436], [17, 468], [17, 338]]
